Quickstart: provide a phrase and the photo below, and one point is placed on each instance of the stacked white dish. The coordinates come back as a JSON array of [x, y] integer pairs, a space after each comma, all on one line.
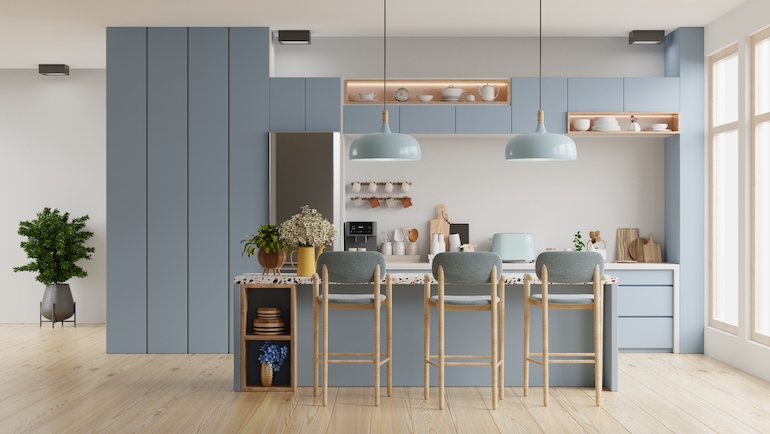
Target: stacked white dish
[[605, 123]]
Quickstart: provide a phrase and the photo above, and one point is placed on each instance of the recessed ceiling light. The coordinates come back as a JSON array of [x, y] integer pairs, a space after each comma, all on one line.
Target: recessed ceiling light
[[294, 37], [646, 37], [53, 69]]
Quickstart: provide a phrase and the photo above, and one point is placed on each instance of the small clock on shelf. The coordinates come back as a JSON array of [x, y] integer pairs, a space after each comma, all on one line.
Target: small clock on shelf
[[401, 94]]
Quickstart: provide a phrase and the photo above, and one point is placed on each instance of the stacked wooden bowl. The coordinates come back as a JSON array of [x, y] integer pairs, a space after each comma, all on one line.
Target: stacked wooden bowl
[[269, 321]]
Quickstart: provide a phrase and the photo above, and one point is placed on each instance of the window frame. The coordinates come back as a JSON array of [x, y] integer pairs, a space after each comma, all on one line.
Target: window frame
[[714, 131]]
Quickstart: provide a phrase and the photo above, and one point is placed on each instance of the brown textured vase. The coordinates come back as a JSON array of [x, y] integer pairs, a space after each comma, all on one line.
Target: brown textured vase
[[271, 261], [266, 374]]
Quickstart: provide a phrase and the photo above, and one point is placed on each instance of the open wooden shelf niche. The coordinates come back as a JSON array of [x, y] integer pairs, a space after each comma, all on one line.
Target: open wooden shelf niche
[[645, 120], [425, 87]]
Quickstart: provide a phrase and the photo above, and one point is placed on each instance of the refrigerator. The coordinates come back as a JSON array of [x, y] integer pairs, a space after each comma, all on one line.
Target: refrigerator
[[306, 169]]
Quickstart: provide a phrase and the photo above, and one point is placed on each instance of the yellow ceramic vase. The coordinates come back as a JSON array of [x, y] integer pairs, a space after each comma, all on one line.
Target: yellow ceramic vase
[[306, 260]]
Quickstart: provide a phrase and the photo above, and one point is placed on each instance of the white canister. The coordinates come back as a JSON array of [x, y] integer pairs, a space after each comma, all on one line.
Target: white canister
[[411, 249], [442, 243], [435, 246], [386, 248], [454, 242], [399, 248]]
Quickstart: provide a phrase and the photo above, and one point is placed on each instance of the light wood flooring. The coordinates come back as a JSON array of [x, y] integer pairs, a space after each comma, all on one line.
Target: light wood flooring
[[61, 381]]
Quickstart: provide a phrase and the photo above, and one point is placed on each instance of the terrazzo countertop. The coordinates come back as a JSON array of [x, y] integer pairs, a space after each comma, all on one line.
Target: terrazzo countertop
[[398, 279]]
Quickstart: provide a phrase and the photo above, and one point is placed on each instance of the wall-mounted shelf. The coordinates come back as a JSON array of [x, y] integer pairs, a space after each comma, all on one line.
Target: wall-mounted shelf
[[645, 120], [424, 87]]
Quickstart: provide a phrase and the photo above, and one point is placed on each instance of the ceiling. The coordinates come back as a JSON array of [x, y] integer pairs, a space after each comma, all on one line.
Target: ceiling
[[73, 31]]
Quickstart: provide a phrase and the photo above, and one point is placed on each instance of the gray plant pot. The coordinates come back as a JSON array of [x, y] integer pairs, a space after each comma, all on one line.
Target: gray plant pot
[[60, 295]]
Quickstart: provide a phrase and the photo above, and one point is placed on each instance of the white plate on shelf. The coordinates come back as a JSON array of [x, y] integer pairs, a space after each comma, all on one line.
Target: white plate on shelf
[[363, 100], [660, 131], [605, 129], [449, 98]]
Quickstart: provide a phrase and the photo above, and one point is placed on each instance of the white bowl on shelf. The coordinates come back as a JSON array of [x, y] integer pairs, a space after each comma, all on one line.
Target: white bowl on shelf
[[603, 121], [659, 127], [582, 124], [424, 98]]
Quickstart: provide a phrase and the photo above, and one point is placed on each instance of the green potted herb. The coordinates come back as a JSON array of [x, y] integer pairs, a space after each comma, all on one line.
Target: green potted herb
[[578, 242], [269, 247], [55, 244], [272, 356]]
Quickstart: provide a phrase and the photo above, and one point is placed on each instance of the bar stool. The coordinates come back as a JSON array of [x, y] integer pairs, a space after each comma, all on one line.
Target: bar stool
[[565, 267], [466, 268], [352, 268]]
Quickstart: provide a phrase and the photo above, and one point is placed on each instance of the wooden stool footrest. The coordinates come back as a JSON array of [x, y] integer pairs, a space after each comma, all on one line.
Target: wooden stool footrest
[[474, 356], [564, 354]]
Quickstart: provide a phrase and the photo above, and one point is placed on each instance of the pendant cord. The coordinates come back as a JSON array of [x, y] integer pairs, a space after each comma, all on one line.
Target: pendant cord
[[541, 55], [385, 53]]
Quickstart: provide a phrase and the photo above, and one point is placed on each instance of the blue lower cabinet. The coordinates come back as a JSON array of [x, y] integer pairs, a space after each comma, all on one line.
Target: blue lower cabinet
[[427, 119], [644, 334], [367, 119], [489, 119]]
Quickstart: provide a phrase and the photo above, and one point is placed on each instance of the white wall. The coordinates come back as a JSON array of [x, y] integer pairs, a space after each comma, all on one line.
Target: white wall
[[737, 350], [469, 58], [612, 184], [52, 154]]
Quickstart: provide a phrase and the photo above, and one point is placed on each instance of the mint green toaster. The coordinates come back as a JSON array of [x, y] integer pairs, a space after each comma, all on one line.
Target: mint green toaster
[[517, 247]]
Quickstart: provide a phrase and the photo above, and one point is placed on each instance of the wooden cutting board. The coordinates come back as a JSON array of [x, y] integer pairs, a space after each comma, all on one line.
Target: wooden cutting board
[[652, 251], [440, 225], [625, 237], [636, 249]]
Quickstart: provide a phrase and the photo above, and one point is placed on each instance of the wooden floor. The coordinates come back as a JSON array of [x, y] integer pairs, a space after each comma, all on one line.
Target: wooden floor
[[61, 381]]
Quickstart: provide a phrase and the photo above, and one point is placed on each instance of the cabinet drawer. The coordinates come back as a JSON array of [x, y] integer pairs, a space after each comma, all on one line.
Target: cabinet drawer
[[643, 277], [646, 301], [641, 333]]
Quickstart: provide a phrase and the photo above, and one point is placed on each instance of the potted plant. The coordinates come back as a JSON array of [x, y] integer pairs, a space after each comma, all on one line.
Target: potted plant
[[272, 356], [307, 230], [55, 244], [578, 242], [269, 247]]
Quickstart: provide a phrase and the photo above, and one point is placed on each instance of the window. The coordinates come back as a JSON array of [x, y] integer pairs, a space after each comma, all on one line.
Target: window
[[760, 125], [725, 191]]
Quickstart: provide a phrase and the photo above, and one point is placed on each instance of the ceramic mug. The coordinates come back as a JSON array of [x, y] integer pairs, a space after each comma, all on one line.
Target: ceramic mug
[[374, 202], [405, 187], [390, 202], [358, 202], [372, 187], [388, 187], [356, 187]]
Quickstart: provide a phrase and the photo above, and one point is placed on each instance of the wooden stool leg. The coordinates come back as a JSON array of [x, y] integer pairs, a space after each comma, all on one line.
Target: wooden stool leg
[[426, 337], [493, 315], [441, 340], [325, 304], [599, 343], [544, 278], [389, 332], [527, 309], [377, 358], [315, 335], [501, 337]]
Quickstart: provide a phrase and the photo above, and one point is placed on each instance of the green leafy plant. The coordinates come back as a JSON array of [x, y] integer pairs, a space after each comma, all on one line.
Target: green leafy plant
[[578, 242], [55, 244], [267, 238], [273, 354]]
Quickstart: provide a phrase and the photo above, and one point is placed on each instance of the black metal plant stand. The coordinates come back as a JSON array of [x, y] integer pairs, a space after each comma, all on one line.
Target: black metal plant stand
[[53, 315]]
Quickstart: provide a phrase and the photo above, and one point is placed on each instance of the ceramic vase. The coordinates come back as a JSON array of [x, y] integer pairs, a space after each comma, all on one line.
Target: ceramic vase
[[266, 374], [306, 260], [435, 246]]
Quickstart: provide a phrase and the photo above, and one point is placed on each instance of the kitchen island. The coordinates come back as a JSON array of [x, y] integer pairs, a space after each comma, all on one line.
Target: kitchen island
[[351, 331]]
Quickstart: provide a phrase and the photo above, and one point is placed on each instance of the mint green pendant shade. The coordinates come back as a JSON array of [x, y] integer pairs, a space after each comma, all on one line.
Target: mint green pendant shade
[[385, 146], [540, 145]]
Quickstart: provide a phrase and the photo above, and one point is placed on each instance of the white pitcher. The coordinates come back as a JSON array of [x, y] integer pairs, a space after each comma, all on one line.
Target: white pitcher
[[488, 92]]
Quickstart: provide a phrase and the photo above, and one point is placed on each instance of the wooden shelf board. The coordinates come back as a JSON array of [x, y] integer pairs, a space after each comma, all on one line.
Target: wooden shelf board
[[616, 134], [253, 337]]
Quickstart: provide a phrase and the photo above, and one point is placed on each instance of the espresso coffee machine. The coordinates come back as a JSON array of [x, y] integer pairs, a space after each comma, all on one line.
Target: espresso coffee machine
[[361, 235]]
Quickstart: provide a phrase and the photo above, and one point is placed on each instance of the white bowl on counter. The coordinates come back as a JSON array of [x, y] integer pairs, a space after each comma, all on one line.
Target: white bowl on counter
[[424, 98]]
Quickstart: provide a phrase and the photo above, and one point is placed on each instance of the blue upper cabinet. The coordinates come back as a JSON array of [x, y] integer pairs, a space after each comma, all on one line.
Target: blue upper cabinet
[[435, 119], [525, 101], [595, 94], [323, 98], [483, 119], [651, 94], [366, 119], [287, 104]]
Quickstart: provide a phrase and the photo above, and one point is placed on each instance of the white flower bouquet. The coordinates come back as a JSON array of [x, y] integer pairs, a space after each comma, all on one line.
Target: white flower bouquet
[[307, 229]]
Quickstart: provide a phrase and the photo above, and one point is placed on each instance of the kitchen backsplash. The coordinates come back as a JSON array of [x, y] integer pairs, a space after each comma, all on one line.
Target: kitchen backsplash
[[612, 184]]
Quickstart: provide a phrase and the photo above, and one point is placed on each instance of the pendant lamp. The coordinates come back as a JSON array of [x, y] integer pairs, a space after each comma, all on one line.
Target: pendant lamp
[[385, 145], [541, 145]]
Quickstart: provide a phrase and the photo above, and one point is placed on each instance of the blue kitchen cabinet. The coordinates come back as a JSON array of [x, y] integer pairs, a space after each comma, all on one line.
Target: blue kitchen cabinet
[[525, 101], [484, 119], [323, 98], [595, 94], [287, 104], [435, 119], [651, 94], [366, 119], [645, 310]]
